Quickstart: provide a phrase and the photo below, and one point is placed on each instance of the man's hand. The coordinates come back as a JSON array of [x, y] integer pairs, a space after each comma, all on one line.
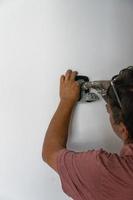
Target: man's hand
[[69, 88]]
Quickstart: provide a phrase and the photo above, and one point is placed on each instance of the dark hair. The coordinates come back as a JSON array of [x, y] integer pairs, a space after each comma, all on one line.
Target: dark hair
[[123, 84]]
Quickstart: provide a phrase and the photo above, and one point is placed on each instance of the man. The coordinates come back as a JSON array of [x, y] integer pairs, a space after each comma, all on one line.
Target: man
[[95, 174]]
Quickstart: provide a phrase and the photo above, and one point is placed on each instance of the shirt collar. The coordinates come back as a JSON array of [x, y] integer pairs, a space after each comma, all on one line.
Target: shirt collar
[[127, 149]]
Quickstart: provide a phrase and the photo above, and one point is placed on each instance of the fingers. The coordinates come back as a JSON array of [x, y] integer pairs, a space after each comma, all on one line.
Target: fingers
[[62, 78], [70, 75], [73, 75]]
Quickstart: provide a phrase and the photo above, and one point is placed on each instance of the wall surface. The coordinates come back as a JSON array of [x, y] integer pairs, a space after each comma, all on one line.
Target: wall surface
[[39, 41]]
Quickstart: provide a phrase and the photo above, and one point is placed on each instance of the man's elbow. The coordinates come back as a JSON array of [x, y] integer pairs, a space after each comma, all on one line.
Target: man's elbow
[[48, 153], [44, 153], [44, 156], [50, 159]]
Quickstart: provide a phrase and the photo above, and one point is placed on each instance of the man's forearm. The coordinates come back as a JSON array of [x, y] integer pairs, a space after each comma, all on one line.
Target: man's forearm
[[57, 132]]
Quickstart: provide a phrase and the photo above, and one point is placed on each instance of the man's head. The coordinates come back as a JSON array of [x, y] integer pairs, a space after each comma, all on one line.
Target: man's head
[[120, 108]]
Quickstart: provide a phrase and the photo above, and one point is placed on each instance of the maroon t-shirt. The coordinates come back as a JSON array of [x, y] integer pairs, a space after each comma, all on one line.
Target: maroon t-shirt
[[97, 174]]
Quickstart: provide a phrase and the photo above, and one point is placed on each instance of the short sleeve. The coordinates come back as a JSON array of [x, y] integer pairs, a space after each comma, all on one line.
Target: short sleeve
[[79, 173]]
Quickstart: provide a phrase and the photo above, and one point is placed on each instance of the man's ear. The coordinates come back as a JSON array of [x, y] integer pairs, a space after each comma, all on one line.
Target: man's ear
[[123, 131]]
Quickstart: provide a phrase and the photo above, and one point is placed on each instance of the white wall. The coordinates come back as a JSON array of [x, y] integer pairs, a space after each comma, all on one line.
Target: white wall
[[39, 41]]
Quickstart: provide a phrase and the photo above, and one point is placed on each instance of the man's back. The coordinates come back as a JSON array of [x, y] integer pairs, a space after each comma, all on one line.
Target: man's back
[[97, 174]]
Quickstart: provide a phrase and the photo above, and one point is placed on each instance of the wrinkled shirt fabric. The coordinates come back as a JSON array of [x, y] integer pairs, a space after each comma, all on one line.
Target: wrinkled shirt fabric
[[97, 174]]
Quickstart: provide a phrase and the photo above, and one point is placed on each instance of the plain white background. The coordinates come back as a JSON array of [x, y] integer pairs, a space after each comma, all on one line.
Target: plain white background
[[39, 41]]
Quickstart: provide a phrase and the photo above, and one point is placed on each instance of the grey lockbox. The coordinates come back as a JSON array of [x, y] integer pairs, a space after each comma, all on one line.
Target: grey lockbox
[[86, 95]]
